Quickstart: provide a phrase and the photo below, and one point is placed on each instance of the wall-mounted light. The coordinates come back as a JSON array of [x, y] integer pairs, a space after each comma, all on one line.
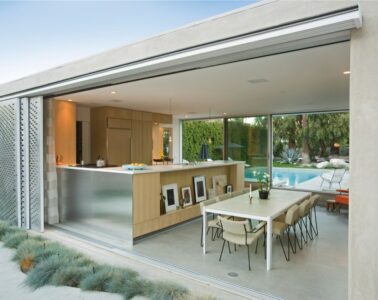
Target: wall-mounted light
[[113, 92], [346, 72]]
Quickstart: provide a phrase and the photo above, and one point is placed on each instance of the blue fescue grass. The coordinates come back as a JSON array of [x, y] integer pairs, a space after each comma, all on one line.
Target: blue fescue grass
[[102, 276], [166, 290], [14, 239], [70, 275], [49, 263], [3, 228]]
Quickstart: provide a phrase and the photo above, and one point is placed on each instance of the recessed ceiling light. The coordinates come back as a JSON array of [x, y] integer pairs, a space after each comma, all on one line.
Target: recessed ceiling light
[[346, 72], [70, 100], [225, 114], [113, 92], [186, 116]]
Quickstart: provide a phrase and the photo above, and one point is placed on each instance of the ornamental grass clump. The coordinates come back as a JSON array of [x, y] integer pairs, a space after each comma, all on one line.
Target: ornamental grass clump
[[70, 275], [42, 273], [14, 238], [26, 253], [3, 229], [101, 277], [126, 285], [166, 290]]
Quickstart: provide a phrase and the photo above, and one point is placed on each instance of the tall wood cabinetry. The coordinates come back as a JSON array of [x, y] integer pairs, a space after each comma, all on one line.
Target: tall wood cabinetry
[[122, 135]]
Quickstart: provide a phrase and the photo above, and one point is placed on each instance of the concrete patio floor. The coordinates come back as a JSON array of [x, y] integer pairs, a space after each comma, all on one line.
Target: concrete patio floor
[[319, 271]]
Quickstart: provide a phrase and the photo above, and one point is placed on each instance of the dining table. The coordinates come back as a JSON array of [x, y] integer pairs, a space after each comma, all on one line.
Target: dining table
[[278, 202]]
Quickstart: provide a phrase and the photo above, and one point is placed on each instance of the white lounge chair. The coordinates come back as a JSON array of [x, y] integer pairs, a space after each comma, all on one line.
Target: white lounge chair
[[336, 177]]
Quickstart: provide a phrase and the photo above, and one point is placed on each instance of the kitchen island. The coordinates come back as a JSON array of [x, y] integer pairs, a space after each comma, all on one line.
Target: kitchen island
[[117, 205]]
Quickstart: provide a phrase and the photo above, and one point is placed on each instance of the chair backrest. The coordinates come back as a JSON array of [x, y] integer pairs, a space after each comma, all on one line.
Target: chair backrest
[[292, 215], [208, 202], [235, 227], [302, 208], [338, 175], [314, 199]]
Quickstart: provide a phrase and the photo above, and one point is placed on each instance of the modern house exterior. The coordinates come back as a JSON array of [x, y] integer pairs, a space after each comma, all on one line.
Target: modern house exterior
[[265, 29]]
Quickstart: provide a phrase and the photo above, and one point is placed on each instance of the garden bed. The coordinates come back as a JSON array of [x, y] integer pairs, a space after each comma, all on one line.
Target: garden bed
[[49, 263]]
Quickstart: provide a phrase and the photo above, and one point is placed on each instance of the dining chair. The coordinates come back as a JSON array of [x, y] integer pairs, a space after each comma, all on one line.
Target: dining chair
[[280, 228], [240, 233], [304, 210], [314, 201], [213, 223]]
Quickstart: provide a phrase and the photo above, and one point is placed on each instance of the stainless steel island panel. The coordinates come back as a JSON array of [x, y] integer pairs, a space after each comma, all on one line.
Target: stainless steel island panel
[[97, 205]]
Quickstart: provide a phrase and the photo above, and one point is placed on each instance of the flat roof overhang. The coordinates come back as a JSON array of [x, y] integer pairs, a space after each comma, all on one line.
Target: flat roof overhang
[[321, 30]]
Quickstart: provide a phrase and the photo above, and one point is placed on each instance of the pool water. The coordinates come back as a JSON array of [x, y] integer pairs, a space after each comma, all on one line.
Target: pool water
[[288, 176]]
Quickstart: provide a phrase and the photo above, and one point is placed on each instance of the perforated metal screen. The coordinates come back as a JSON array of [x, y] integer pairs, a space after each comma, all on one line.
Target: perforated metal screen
[[36, 163], [9, 161], [21, 162]]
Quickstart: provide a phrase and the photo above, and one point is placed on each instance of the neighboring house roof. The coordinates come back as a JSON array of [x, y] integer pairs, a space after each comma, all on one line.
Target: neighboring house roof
[[252, 18]]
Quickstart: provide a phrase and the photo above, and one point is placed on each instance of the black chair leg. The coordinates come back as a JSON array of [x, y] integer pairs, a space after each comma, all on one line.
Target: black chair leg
[[249, 259], [229, 248], [220, 257], [235, 247], [283, 249], [201, 242], [257, 243], [264, 245]]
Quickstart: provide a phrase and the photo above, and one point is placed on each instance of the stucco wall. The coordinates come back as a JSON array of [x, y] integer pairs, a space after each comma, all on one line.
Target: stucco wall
[[255, 17], [363, 220]]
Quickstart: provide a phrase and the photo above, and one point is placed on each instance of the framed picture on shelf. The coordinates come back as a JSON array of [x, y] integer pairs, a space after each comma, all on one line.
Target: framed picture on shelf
[[229, 189], [199, 188], [170, 195], [186, 196]]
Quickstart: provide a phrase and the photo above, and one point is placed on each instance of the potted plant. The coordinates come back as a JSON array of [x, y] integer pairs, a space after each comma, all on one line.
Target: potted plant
[[264, 185]]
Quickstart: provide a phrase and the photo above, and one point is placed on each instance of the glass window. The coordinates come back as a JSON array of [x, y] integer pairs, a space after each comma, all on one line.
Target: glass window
[[202, 139], [311, 151], [248, 141]]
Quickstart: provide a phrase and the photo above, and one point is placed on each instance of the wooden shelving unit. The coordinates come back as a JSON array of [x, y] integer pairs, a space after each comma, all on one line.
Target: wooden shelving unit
[[146, 195]]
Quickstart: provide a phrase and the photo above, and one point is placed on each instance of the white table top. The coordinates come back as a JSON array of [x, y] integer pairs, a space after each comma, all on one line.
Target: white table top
[[278, 202], [156, 168]]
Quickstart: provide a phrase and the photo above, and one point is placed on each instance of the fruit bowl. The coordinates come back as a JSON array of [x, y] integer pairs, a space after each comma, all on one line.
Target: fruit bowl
[[134, 166]]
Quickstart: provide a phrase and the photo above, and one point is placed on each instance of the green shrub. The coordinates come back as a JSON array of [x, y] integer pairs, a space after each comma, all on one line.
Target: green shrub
[[42, 273], [70, 275], [100, 278], [166, 290], [14, 238]]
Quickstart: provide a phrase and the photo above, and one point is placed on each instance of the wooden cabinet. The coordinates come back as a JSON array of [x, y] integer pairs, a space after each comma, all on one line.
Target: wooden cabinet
[[119, 146], [141, 142], [161, 118], [122, 135]]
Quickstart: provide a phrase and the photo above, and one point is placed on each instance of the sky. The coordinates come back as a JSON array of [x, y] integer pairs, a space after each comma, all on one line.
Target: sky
[[38, 35]]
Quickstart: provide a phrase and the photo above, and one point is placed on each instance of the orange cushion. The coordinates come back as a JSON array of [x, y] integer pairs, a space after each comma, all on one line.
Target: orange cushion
[[342, 199]]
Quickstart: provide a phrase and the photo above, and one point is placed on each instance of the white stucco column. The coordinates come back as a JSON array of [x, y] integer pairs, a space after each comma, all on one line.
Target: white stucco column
[[363, 218]]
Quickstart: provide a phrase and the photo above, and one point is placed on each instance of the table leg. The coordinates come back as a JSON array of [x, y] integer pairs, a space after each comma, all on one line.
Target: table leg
[[269, 245], [204, 228]]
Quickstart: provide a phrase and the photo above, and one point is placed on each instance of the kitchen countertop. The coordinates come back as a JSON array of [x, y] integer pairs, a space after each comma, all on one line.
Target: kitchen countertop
[[154, 168]]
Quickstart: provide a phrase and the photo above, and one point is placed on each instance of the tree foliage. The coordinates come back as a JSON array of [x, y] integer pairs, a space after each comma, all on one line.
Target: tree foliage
[[198, 132], [313, 134]]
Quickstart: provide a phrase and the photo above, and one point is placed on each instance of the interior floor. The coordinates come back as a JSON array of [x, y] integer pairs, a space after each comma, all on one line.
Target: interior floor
[[317, 271]]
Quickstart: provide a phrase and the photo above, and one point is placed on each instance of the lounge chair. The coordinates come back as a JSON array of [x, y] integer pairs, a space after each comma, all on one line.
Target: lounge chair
[[336, 177]]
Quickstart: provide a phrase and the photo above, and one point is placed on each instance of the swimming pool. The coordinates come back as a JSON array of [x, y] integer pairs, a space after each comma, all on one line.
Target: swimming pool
[[286, 176]]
